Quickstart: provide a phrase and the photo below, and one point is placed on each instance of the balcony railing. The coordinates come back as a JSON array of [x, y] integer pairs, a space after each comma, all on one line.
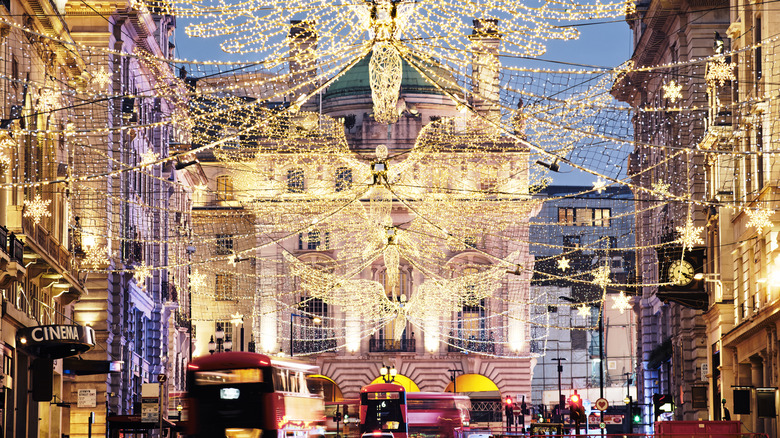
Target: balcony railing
[[306, 346], [15, 249], [472, 344], [382, 345]]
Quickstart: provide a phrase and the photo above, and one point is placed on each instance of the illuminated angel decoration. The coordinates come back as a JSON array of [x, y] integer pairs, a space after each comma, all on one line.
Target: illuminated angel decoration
[[324, 39], [434, 299]]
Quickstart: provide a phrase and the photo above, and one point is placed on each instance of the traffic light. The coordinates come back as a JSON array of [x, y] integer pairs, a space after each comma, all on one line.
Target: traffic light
[[576, 410], [636, 413], [509, 401], [337, 417], [662, 403]]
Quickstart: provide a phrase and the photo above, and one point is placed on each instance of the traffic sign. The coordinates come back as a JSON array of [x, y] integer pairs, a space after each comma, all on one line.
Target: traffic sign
[[602, 404], [162, 378]]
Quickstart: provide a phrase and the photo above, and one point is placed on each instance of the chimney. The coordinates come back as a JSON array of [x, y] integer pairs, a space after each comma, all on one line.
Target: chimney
[[485, 67]]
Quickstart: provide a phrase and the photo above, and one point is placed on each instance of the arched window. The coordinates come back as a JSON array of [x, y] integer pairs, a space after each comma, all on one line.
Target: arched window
[[295, 180], [224, 188]]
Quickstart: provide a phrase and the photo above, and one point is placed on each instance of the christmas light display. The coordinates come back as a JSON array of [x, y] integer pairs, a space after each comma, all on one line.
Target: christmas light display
[[289, 209]]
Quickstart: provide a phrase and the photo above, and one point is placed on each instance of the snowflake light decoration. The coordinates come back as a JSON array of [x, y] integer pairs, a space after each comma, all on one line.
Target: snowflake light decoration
[[563, 263], [97, 256], [719, 72], [5, 163], [690, 235], [48, 99], [759, 219], [142, 272], [601, 276], [583, 311], [197, 280], [37, 209], [148, 158], [672, 91], [621, 302], [662, 188], [101, 78]]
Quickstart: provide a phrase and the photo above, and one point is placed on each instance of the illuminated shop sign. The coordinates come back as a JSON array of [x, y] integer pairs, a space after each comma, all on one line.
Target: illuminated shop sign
[[56, 341]]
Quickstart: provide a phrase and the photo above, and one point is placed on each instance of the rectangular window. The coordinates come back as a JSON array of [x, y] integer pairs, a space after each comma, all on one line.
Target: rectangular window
[[579, 339], [758, 55], [571, 242], [566, 216], [224, 244], [224, 188], [224, 287], [601, 217], [343, 179], [584, 217], [295, 181]]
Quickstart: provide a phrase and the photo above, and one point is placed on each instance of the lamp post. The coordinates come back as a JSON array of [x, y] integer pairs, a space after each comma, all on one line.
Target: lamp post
[[388, 374], [453, 377], [560, 392], [314, 319], [220, 335]]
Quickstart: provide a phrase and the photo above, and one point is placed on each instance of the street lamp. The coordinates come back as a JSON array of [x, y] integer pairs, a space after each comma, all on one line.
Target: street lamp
[[220, 335], [212, 345], [388, 374], [314, 319]]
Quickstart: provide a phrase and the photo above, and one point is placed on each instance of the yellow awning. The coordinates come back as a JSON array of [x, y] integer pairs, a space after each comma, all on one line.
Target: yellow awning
[[472, 383], [402, 380]]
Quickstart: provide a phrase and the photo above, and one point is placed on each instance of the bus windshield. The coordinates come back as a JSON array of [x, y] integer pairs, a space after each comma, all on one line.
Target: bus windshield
[[384, 410], [221, 377]]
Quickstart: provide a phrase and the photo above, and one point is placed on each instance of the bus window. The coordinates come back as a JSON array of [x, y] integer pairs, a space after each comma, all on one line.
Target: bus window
[[220, 377]]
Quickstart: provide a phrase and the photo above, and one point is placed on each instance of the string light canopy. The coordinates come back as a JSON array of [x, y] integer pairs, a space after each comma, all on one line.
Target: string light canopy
[[451, 209]]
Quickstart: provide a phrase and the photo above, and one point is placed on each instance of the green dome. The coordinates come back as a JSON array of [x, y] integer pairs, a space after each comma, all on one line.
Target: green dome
[[355, 82]]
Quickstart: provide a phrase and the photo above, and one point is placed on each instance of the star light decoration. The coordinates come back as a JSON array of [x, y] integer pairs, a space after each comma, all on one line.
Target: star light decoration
[[621, 302], [141, 274], [237, 319], [599, 185], [583, 311], [672, 91], [563, 263], [690, 235], [759, 219], [97, 256], [37, 209]]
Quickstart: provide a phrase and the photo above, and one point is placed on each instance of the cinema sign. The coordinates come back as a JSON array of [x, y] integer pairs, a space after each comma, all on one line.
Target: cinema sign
[[56, 341]]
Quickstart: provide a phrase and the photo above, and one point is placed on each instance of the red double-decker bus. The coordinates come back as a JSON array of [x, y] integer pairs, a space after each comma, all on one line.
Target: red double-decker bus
[[425, 414], [383, 411], [250, 395], [436, 414]]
